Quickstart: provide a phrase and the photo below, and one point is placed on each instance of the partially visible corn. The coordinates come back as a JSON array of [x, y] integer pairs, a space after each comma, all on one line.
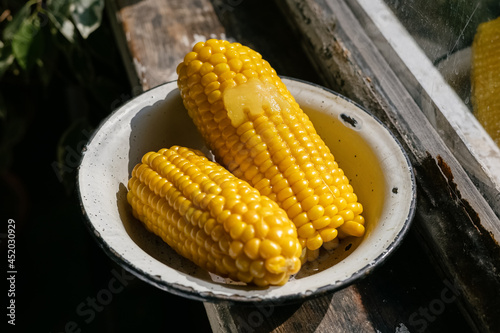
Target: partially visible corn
[[486, 77], [255, 128], [214, 219]]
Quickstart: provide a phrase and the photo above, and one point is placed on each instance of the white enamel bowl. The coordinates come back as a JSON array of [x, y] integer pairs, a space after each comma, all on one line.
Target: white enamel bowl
[[370, 156]]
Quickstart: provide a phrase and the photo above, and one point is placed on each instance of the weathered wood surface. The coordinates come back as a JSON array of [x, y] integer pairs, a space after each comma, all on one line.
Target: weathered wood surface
[[405, 294], [457, 224], [339, 312], [155, 34], [406, 291]]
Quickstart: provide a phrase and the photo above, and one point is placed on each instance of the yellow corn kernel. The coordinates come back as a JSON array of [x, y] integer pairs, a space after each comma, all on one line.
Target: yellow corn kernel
[[360, 219], [260, 134], [257, 269], [212, 218], [352, 228], [485, 77], [328, 234], [275, 263], [314, 242]]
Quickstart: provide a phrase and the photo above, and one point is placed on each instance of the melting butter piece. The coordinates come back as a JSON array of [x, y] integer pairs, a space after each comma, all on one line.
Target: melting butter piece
[[252, 97]]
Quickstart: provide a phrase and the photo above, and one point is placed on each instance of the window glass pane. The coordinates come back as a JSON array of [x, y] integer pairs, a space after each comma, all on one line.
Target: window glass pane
[[445, 30]]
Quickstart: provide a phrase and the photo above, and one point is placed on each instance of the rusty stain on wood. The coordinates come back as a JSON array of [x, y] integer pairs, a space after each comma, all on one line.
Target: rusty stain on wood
[[465, 247], [464, 204]]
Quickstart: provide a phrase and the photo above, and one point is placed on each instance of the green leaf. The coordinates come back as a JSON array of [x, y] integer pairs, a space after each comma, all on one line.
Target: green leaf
[[67, 29], [60, 8], [13, 27], [27, 43], [87, 15], [59, 14]]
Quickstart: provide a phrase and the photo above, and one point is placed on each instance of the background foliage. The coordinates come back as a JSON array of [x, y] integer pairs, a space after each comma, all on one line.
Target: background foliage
[[56, 57]]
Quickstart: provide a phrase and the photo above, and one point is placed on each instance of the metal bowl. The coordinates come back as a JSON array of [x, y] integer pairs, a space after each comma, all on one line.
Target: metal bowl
[[368, 153]]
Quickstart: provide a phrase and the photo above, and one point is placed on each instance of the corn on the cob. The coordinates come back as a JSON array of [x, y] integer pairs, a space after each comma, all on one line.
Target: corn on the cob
[[486, 77], [255, 128], [214, 219]]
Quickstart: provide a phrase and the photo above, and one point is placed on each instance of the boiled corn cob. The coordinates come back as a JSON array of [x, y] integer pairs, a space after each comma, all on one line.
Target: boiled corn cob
[[254, 128], [486, 77], [212, 218]]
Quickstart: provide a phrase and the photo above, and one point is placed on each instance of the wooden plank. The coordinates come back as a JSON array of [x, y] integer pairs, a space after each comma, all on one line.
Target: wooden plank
[[259, 24], [340, 312], [395, 298], [454, 219], [155, 35]]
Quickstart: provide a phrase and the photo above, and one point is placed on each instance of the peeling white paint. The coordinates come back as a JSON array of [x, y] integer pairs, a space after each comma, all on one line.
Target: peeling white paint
[[141, 71], [140, 68], [185, 41], [199, 38]]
